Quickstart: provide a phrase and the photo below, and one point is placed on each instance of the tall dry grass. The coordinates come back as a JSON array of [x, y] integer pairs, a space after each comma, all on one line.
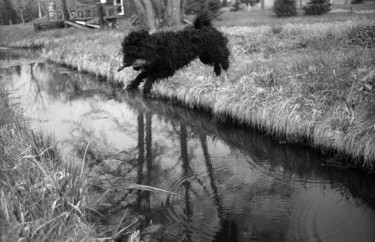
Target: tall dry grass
[[44, 197], [300, 82], [41, 197]]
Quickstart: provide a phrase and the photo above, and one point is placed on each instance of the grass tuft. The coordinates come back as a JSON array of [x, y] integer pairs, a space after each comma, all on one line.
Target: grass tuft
[[41, 198]]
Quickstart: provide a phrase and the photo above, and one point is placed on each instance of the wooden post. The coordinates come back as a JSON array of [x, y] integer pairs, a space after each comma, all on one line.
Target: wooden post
[[39, 9], [64, 10], [150, 15], [141, 12], [48, 11], [174, 12], [100, 13], [21, 12]]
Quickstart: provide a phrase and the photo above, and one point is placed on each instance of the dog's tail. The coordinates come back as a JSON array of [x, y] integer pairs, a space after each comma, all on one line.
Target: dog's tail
[[203, 19]]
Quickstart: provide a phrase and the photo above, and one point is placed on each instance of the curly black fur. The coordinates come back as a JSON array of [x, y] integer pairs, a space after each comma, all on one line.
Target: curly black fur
[[161, 54]]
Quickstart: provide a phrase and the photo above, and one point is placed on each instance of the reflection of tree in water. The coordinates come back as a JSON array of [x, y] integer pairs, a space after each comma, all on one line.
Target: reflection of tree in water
[[141, 147], [67, 85], [186, 169], [35, 84], [145, 146], [143, 199], [266, 151], [146, 157], [30, 88], [228, 229]]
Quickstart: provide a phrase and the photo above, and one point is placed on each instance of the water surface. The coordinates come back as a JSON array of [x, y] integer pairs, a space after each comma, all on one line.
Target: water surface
[[234, 184]]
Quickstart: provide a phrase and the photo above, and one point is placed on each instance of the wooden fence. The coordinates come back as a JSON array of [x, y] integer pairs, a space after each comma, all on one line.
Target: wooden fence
[[85, 13]]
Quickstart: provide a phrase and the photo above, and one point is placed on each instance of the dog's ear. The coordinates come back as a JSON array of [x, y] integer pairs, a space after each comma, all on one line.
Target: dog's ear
[[135, 37], [144, 33]]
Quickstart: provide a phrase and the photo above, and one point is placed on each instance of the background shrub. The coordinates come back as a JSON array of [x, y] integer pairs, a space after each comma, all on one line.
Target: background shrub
[[356, 1], [194, 6], [317, 7], [251, 2], [285, 8]]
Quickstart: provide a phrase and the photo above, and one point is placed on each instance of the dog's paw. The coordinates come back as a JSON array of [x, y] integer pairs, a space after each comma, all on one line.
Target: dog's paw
[[146, 91], [131, 88]]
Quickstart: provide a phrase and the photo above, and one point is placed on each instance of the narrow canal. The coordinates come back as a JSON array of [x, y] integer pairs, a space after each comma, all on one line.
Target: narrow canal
[[231, 183]]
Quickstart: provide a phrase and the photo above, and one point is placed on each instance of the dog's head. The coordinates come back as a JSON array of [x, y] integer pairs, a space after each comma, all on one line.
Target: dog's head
[[137, 49]]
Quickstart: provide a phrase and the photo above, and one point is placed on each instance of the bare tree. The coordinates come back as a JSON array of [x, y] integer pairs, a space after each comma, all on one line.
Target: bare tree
[[150, 15], [65, 10], [159, 7], [146, 14], [173, 12], [141, 12], [21, 11], [169, 12]]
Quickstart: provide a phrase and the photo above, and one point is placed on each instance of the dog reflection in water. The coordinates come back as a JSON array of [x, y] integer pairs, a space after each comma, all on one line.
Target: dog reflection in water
[[161, 54]]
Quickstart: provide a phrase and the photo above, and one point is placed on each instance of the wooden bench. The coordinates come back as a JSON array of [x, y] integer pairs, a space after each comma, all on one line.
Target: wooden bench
[[49, 25]]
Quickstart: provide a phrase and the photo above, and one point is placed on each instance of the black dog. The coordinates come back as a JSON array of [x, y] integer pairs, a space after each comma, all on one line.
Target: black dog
[[161, 54]]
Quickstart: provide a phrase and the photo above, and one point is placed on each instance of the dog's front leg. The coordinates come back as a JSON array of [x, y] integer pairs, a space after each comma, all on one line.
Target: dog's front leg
[[135, 83], [148, 84]]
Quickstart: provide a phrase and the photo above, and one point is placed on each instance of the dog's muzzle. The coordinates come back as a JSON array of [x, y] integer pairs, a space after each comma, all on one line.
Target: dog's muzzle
[[138, 64], [122, 67]]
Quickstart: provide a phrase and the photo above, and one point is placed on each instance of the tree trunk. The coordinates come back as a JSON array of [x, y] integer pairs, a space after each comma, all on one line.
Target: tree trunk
[[141, 12], [146, 14], [64, 10], [21, 12], [183, 7], [150, 15], [262, 4], [174, 12], [99, 8], [39, 9], [159, 8]]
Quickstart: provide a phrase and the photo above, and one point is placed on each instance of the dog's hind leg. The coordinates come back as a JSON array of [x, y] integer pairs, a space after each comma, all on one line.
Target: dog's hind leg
[[148, 85], [225, 63], [209, 60], [135, 83], [217, 69]]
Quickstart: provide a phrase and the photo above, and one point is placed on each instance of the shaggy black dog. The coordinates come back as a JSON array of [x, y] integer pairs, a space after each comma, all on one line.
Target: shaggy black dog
[[161, 54]]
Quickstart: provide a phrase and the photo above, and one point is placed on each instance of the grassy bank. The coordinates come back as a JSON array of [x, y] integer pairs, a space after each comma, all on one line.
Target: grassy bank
[[45, 197], [41, 197], [306, 80]]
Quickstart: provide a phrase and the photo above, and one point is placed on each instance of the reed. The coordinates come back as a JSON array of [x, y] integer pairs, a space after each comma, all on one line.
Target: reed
[[41, 198]]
